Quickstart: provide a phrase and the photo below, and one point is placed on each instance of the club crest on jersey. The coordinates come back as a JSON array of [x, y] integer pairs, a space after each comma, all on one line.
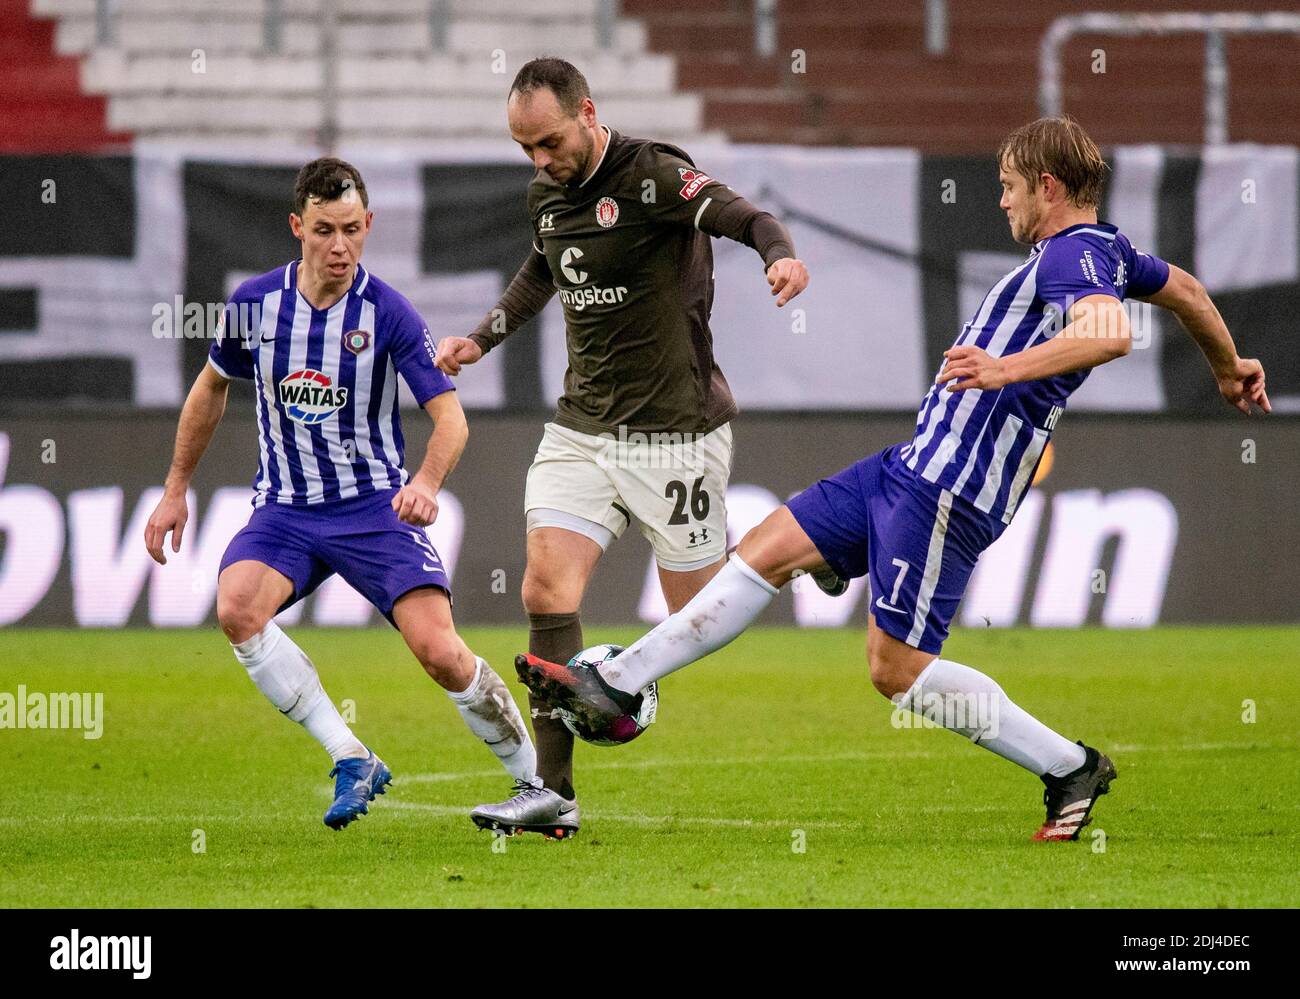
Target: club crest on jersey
[[606, 212], [310, 397], [356, 340], [694, 180]]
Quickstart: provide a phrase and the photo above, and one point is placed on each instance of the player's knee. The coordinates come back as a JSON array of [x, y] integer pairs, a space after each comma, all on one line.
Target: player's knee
[[761, 551], [444, 658], [891, 673], [545, 595], [884, 677], [238, 618], [772, 549]]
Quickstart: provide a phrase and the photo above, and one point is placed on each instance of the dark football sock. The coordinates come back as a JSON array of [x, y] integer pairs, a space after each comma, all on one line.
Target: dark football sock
[[556, 638]]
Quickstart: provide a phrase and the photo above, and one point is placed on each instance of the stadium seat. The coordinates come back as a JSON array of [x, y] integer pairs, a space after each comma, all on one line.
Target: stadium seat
[[174, 71], [868, 79], [45, 108]]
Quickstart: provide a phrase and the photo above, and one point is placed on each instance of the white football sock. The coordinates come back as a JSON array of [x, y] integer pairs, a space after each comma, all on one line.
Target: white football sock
[[492, 715], [727, 605], [966, 701], [282, 672]]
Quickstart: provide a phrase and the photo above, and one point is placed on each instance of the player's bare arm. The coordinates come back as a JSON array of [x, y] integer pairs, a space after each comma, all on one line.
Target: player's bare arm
[[202, 412], [417, 502], [1098, 331], [1240, 379]]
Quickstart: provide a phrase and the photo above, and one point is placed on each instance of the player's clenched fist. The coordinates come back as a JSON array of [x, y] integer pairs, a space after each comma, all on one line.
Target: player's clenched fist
[[787, 277], [453, 351], [416, 503], [170, 514]]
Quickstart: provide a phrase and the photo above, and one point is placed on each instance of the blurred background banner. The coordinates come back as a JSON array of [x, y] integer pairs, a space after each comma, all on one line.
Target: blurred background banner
[[148, 150], [1138, 521], [111, 287]]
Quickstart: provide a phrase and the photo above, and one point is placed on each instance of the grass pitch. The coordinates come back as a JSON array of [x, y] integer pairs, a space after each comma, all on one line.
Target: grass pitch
[[772, 778]]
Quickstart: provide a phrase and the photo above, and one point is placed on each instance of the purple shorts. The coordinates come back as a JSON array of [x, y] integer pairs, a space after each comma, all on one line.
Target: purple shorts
[[916, 541], [360, 538]]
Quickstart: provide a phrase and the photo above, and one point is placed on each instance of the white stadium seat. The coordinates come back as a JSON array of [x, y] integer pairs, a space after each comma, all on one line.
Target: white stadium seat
[[180, 69]]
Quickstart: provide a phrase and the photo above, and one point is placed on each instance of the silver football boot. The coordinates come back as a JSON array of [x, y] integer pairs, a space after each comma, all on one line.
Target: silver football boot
[[532, 808]]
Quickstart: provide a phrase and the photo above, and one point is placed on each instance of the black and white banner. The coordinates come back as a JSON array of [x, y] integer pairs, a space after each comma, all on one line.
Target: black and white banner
[[112, 266]]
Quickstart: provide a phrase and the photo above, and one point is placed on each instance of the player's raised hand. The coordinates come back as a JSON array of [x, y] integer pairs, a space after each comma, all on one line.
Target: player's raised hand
[[1243, 384], [416, 503], [971, 368], [453, 351], [787, 277], [170, 514]]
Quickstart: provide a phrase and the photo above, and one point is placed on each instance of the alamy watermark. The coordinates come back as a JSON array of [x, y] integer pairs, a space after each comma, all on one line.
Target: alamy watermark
[[656, 449], [69, 710], [1093, 322], [972, 713], [182, 320], [76, 952]]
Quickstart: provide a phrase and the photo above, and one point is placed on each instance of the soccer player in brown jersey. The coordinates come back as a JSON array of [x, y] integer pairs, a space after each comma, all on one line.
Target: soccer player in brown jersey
[[621, 231]]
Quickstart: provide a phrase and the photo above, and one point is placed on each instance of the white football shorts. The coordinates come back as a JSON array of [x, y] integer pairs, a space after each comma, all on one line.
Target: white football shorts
[[674, 485]]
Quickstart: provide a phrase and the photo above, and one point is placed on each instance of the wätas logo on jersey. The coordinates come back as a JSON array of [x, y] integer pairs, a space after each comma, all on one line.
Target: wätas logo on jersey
[[310, 397]]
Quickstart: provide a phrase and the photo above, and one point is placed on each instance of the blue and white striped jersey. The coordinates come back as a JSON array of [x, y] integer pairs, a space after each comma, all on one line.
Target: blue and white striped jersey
[[326, 382], [983, 445]]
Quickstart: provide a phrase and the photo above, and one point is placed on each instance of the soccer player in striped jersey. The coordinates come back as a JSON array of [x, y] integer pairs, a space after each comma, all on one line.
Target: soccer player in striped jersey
[[323, 342], [916, 516]]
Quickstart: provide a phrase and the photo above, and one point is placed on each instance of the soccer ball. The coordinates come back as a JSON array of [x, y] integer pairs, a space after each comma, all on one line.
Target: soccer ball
[[626, 727]]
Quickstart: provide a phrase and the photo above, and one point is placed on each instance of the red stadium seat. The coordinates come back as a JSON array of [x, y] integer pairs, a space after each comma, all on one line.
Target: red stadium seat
[[45, 107], [868, 79]]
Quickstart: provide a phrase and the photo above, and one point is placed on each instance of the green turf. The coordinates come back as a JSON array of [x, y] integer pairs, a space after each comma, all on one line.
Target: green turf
[[775, 742]]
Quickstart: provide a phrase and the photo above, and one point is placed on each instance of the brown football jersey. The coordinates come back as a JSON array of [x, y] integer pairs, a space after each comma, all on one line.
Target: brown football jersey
[[634, 274]]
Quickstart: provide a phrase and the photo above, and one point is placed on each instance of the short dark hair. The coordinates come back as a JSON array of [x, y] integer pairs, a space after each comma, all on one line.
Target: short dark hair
[[326, 179], [559, 76], [1061, 147]]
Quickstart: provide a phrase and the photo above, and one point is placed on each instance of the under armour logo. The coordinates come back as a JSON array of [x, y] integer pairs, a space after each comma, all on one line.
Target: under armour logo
[[703, 538]]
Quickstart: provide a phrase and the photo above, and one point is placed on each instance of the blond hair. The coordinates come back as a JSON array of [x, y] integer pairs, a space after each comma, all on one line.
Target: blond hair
[[1061, 147]]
